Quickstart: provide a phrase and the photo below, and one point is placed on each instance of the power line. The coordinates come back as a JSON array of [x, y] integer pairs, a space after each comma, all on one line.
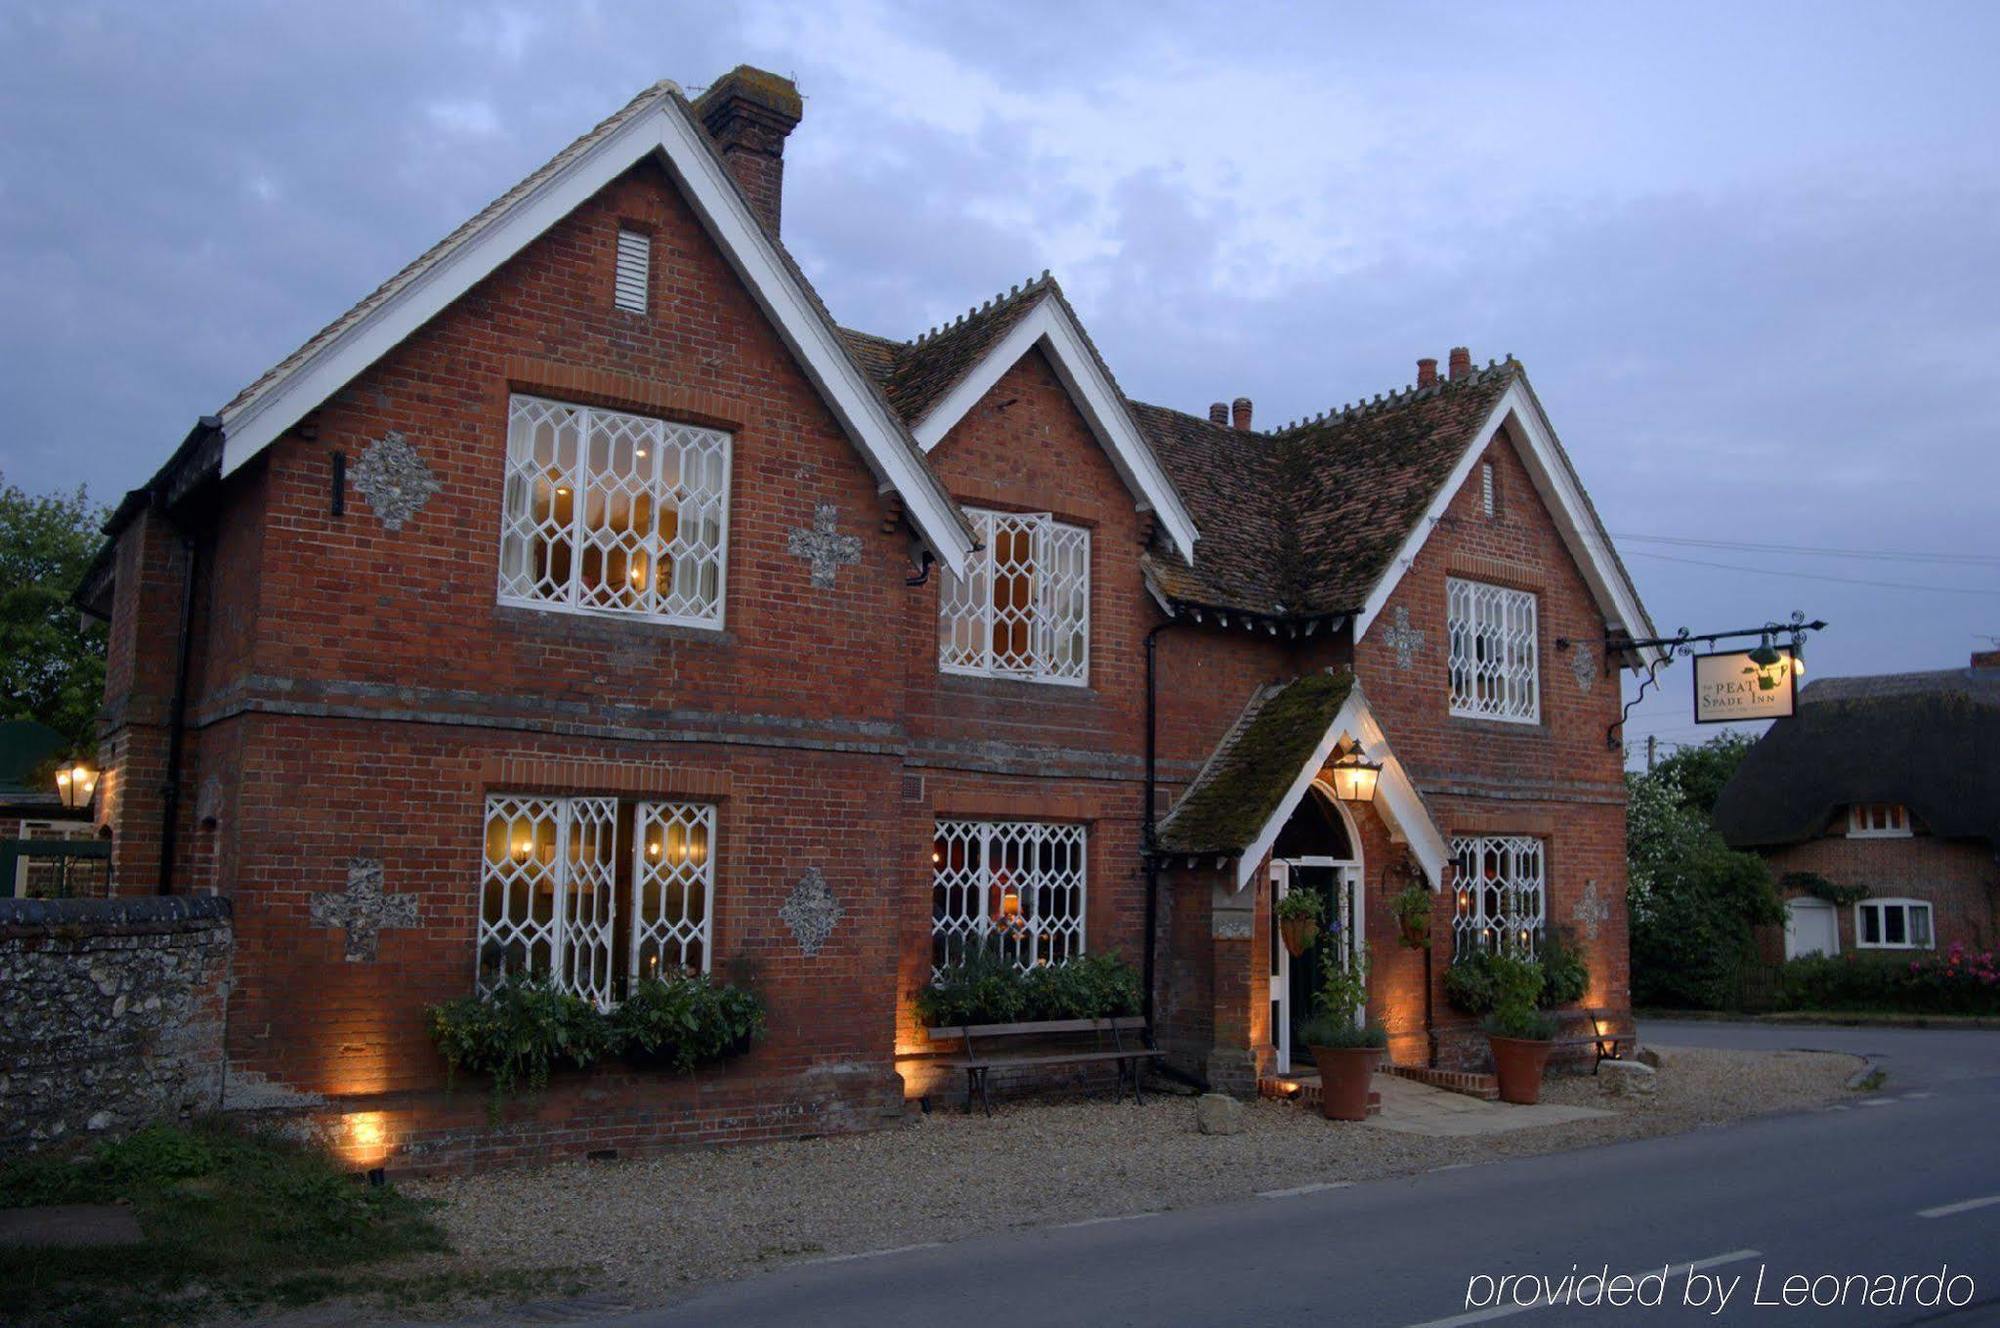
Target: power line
[[1820, 550], [1812, 576]]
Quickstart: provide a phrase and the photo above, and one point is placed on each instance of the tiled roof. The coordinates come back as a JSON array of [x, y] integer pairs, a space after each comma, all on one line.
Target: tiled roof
[[1930, 741], [916, 375], [1255, 765]]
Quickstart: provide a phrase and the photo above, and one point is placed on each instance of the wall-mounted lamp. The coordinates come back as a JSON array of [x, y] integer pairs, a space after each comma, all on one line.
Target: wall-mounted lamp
[[76, 782], [1354, 776]]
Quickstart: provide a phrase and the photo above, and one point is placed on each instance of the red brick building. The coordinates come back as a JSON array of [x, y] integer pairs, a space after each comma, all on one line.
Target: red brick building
[[1877, 807], [587, 600]]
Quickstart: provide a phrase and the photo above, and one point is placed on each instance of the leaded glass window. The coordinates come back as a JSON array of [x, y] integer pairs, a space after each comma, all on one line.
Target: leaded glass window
[[1500, 885], [1022, 609], [1494, 663], [1022, 882]]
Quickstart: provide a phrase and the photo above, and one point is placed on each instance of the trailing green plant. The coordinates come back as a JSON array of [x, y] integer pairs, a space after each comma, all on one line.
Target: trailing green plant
[[1565, 976], [517, 1034], [986, 986], [1468, 983], [1324, 1030], [1812, 883], [1412, 907], [1299, 905], [685, 1020]]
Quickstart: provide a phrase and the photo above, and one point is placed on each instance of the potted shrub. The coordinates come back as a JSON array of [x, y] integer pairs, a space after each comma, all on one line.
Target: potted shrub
[[1345, 1052], [1520, 1035], [1299, 914], [1412, 907]]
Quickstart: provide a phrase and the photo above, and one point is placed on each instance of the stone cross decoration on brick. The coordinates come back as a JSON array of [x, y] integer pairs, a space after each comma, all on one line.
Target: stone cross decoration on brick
[[824, 546], [811, 911], [1407, 641], [1590, 911], [394, 479], [1583, 663], [362, 909]]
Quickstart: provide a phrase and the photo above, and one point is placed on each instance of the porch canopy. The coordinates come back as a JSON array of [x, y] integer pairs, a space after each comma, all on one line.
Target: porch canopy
[[1262, 768]]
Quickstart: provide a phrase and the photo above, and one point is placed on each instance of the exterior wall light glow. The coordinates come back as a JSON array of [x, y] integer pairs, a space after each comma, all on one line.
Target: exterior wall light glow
[[1354, 776], [76, 782]]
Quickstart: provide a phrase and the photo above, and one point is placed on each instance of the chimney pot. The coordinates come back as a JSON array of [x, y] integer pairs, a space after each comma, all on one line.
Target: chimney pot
[[1986, 659], [1218, 413], [749, 112], [1239, 412], [1461, 361], [1427, 373]]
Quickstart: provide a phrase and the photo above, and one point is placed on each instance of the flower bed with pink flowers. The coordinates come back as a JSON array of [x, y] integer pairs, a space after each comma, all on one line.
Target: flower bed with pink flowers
[[1955, 980]]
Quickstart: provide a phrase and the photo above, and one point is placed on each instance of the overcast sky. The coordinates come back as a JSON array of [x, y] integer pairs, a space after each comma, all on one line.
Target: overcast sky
[[1747, 253]]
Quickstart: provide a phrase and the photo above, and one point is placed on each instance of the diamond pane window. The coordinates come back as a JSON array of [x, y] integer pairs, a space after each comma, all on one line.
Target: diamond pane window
[[609, 512], [1021, 881], [1500, 887], [1022, 610], [561, 900], [1494, 663]]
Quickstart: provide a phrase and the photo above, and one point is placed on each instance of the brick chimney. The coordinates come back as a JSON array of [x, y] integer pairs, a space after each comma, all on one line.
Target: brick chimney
[[749, 112], [1986, 659], [1461, 362], [1427, 373], [1239, 413], [1218, 413]]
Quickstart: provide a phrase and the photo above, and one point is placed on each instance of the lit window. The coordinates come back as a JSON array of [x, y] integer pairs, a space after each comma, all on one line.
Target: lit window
[[1892, 924], [635, 262], [612, 513], [1498, 885], [1878, 820], [1020, 881], [1022, 610], [556, 872], [1494, 661]]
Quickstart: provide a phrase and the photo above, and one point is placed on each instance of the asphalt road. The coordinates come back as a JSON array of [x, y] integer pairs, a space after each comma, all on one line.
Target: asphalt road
[[1889, 1184]]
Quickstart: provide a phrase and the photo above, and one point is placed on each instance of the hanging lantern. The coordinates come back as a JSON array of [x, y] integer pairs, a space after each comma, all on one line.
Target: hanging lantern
[[76, 782], [1354, 776]]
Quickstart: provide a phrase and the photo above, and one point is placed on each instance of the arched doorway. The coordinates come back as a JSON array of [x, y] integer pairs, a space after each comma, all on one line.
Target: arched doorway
[[1319, 849]]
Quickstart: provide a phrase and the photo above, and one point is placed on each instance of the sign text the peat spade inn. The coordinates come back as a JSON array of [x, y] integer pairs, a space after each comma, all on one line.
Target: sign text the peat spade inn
[[1730, 687]]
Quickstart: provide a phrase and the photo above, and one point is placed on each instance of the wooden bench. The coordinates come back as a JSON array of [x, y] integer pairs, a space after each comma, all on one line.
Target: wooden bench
[[979, 1059], [1606, 1046]]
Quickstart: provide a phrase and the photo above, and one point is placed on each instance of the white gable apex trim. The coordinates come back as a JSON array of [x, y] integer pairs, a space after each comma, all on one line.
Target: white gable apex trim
[[1397, 801], [666, 129], [1561, 492], [1103, 409]]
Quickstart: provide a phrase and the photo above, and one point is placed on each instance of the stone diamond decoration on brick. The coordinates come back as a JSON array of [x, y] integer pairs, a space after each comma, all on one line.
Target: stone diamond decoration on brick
[[810, 911], [1583, 663], [362, 909], [394, 479], [1590, 911], [824, 546], [1406, 640]]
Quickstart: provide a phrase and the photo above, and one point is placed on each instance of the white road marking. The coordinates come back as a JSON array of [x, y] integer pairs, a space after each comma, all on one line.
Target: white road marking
[[1297, 1190], [877, 1254], [1878, 1101], [1962, 1206], [1100, 1221], [1917, 1097], [1453, 1166], [1503, 1311]]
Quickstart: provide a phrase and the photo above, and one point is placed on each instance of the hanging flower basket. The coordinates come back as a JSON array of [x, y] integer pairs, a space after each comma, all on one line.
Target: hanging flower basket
[[1298, 934]]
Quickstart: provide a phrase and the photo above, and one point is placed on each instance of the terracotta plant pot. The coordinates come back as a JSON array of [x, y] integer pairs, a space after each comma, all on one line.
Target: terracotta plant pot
[[1298, 934], [1344, 1074], [1517, 1063], [1416, 935]]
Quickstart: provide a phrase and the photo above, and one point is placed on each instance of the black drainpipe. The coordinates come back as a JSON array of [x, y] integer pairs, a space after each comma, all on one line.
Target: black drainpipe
[[170, 792]]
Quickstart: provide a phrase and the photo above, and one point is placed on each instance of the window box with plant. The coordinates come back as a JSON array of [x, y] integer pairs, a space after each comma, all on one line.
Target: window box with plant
[[1345, 1049], [987, 986]]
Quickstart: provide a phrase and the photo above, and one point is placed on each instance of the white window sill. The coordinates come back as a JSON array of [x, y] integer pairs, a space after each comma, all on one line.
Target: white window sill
[[713, 625], [1004, 675]]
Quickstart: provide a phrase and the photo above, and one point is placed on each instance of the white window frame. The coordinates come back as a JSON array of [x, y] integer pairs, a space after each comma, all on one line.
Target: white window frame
[[1509, 913], [518, 528], [1049, 926], [1060, 605], [1493, 664], [563, 843], [1878, 820], [1909, 909]]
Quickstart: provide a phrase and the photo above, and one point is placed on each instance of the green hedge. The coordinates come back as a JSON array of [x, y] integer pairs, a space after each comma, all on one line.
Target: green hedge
[[1952, 981], [987, 988]]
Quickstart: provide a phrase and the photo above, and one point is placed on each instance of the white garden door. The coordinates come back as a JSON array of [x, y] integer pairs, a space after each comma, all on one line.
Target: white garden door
[[1811, 927], [1287, 1005]]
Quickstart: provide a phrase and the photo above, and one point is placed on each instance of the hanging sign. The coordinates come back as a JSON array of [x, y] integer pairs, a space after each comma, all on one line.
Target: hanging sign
[[1730, 687]]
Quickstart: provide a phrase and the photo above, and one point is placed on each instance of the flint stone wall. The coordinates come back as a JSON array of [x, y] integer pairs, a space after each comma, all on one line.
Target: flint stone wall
[[111, 1014]]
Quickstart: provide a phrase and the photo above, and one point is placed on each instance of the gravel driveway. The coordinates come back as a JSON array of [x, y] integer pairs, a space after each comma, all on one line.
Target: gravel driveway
[[651, 1226]]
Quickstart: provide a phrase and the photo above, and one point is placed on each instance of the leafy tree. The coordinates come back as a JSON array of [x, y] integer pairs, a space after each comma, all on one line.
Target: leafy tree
[[52, 658], [1693, 900]]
